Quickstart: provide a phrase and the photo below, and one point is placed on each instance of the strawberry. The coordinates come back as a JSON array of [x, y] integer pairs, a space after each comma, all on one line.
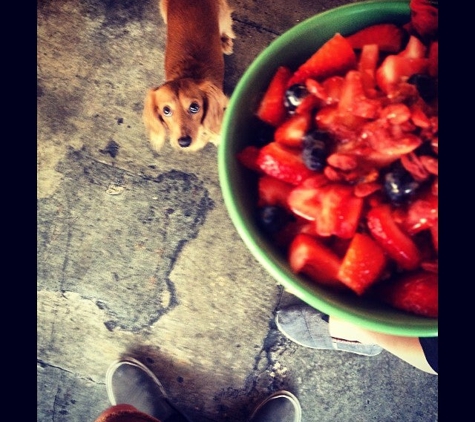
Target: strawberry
[[414, 49], [248, 157], [424, 18], [283, 163], [434, 59], [335, 57], [397, 244], [291, 132], [271, 108], [418, 116], [311, 257], [333, 206], [341, 125], [396, 69], [308, 105], [364, 189], [415, 292], [387, 36], [396, 113], [273, 191], [380, 136], [362, 264], [287, 234], [332, 87], [328, 92], [302, 198], [367, 65], [353, 99], [434, 231], [422, 214], [316, 89]]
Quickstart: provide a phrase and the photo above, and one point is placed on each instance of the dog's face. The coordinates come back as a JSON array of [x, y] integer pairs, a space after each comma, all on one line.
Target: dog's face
[[190, 113]]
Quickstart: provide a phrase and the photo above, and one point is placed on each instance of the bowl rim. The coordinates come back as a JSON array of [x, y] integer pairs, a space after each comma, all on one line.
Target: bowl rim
[[419, 326]]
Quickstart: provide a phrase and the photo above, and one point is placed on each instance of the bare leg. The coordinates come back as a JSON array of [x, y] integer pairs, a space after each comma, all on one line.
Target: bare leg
[[309, 327], [408, 349]]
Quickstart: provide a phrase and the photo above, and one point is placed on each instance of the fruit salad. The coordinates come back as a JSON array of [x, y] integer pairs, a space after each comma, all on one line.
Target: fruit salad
[[345, 154]]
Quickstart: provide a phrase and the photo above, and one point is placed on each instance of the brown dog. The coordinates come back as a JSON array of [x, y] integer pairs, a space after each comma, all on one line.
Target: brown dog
[[189, 106]]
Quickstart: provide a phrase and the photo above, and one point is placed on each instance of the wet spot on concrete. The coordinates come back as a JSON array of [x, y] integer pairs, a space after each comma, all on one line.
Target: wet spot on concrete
[[118, 250], [112, 148]]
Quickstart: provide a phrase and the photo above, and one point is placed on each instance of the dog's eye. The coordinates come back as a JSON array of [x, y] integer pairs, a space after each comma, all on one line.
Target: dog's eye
[[167, 111], [194, 108]]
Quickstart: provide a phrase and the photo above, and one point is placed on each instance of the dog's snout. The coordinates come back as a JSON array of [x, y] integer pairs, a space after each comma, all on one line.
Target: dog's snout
[[184, 141]]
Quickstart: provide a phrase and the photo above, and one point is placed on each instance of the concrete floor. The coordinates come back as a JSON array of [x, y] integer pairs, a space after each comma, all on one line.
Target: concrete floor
[[138, 256]]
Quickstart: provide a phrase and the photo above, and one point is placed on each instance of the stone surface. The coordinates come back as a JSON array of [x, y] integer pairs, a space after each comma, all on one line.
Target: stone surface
[[138, 256]]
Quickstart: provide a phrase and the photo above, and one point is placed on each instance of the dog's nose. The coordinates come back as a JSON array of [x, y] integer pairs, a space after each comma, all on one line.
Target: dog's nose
[[184, 141]]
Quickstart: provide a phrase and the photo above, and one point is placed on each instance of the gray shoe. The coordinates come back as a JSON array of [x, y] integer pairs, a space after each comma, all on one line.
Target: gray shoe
[[130, 382], [308, 327], [281, 406]]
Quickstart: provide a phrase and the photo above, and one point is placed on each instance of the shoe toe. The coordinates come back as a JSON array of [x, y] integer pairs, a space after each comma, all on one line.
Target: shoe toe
[[281, 406]]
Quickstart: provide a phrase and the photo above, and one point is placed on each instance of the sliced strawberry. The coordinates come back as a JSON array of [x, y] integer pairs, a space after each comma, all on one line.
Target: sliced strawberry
[[434, 59], [273, 191], [283, 163], [316, 89], [332, 86], [333, 206], [396, 113], [271, 108], [353, 99], [248, 157], [397, 244], [362, 264], [284, 237], [422, 214], [396, 69], [292, 131], [308, 105], [311, 257], [335, 57], [414, 49], [368, 157], [343, 126], [302, 199], [364, 189], [416, 292], [367, 65], [434, 231], [382, 139], [424, 18], [387, 36], [418, 115]]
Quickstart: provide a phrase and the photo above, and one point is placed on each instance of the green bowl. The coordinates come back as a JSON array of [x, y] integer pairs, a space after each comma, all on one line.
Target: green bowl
[[238, 184]]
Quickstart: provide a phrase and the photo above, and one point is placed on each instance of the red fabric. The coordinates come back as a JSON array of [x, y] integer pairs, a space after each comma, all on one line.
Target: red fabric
[[124, 413]]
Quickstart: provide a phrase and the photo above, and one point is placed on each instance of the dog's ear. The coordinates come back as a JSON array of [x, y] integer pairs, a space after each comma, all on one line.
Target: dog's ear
[[154, 125], [216, 102]]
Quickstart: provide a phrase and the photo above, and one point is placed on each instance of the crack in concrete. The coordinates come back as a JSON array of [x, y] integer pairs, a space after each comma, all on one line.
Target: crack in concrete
[[266, 376], [44, 364], [256, 26]]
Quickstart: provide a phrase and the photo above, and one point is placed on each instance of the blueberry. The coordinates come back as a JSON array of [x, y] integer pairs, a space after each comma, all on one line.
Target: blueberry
[[426, 149], [399, 185], [426, 86], [261, 132], [316, 145], [272, 218], [294, 96]]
